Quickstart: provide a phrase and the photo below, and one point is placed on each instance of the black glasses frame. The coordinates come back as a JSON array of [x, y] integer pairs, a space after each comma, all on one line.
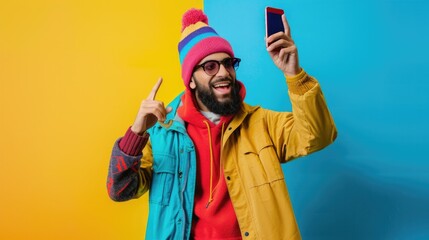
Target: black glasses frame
[[228, 63]]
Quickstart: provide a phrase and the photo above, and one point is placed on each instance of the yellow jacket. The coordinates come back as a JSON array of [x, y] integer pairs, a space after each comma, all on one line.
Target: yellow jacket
[[257, 141]]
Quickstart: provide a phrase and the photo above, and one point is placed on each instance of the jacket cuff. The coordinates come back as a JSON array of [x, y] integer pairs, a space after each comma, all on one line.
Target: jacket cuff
[[132, 144], [300, 83]]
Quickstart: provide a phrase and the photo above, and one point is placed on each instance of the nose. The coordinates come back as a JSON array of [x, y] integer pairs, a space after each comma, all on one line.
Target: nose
[[223, 72]]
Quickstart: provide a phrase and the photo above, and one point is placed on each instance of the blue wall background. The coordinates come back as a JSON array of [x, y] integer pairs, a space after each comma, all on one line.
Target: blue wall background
[[371, 60]]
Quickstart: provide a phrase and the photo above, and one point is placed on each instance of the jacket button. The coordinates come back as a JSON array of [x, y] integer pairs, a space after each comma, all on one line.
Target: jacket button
[[228, 178], [180, 174], [246, 234]]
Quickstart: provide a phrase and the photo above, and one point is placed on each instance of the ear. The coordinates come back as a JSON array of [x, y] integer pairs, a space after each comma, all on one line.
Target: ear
[[192, 84]]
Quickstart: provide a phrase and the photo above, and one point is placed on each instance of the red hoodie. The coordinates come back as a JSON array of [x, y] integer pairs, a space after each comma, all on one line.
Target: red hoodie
[[214, 216]]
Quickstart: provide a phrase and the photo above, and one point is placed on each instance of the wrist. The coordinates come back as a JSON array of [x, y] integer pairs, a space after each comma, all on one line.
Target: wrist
[[293, 72], [139, 131]]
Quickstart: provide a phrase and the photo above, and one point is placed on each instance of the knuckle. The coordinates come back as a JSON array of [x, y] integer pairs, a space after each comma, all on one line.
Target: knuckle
[[159, 104], [145, 102]]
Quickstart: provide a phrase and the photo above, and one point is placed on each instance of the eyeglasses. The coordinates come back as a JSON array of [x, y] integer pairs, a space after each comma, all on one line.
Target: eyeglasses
[[211, 67]]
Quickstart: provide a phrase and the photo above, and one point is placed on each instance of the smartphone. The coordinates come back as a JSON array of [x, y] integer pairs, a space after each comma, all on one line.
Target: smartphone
[[273, 21]]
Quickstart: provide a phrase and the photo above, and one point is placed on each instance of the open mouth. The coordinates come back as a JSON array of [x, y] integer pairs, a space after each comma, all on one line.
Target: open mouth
[[222, 87]]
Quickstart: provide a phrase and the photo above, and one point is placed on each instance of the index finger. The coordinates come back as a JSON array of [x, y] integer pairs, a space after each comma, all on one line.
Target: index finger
[[155, 88], [286, 25]]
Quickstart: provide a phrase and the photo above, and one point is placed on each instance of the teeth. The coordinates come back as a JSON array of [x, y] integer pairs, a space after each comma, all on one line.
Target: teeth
[[221, 85]]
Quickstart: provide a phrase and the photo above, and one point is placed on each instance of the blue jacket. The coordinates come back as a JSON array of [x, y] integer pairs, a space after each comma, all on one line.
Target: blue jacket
[[173, 171]]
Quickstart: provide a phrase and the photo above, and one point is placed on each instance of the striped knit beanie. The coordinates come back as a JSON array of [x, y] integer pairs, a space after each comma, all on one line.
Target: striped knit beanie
[[198, 40]]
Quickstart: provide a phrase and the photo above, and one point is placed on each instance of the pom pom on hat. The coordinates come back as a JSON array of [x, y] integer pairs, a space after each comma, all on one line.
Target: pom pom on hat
[[198, 40], [193, 16]]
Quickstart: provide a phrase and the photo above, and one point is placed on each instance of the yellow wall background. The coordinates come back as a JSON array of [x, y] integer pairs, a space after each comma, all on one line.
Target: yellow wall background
[[72, 75]]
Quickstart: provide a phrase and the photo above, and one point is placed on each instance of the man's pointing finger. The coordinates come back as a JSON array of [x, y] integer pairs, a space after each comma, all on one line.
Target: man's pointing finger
[[155, 88]]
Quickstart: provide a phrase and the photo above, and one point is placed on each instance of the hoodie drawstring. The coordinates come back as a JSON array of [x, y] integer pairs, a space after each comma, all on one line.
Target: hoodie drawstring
[[212, 162]]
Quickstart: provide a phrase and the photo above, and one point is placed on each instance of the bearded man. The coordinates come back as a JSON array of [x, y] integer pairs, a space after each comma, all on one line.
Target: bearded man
[[211, 162]]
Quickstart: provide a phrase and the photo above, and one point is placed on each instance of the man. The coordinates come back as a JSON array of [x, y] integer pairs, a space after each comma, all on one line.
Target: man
[[212, 165]]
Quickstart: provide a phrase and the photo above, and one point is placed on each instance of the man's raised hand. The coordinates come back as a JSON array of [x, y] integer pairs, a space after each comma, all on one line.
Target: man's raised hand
[[283, 51], [150, 112]]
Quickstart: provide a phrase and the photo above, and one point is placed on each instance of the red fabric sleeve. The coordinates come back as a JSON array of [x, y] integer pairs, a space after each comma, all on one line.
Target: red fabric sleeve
[[132, 144]]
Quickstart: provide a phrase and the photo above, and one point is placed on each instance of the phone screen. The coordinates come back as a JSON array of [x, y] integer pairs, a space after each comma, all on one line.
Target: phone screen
[[273, 20]]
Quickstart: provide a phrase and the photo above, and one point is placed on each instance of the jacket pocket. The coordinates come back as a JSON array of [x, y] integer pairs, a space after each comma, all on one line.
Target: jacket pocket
[[264, 165], [162, 179]]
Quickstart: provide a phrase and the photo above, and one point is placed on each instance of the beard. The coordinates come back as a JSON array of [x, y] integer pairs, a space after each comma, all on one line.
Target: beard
[[228, 107]]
